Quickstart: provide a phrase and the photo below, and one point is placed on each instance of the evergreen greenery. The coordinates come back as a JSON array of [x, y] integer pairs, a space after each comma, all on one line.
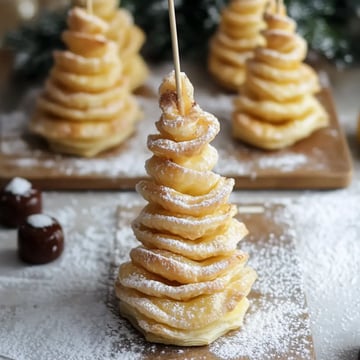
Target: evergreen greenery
[[330, 26]]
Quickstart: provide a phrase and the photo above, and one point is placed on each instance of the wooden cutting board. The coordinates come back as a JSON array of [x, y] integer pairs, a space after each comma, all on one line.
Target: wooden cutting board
[[277, 324], [321, 161], [67, 309]]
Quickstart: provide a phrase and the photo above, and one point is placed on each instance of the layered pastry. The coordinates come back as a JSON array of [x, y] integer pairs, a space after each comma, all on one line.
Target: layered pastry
[[277, 106], [129, 37], [86, 106], [239, 33], [187, 283], [18, 200]]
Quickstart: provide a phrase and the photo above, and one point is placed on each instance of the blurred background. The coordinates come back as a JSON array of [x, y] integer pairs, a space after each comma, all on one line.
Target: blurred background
[[31, 28], [15, 12]]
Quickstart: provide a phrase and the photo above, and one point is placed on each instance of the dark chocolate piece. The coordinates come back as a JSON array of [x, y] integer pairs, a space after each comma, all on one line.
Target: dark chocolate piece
[[40, 239], [18, 200]]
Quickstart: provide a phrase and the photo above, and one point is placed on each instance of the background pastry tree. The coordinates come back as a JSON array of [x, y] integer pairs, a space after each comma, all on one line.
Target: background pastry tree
[[331, 34], [129, 38], [86, 106], [239, 33], [277, 106]]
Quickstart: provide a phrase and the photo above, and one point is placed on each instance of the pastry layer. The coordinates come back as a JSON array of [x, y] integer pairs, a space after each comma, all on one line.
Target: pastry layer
[[276, 106], [188, 281], [239, 33]]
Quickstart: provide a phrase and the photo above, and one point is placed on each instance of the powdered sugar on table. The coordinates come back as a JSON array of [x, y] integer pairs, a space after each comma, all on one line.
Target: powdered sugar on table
[[277, 323], [67, 309]]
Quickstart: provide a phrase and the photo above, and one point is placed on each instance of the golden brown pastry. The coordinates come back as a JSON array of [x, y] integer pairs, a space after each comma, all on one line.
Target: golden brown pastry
[[238, 35], [86, 106], [187, 283], [129, 37], [276, 106]]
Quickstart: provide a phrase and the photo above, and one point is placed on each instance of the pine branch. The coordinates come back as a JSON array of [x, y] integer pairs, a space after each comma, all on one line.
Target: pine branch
[[324, 23]]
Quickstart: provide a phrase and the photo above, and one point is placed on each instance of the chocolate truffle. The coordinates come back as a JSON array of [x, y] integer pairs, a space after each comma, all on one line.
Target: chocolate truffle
[[40, 239], [18, 200]]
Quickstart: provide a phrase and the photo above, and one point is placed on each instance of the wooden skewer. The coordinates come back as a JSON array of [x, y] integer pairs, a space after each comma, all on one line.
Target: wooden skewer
[[279, 5], [89, 6], [175, 48], [269, 6]]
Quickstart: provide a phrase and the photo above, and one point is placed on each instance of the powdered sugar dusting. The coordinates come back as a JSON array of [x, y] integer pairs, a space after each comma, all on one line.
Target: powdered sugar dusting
[[330, 251], [267, 332], [59, 310], [40, 220], [277, 323], [75, 295], [18, 186], [287, 163]]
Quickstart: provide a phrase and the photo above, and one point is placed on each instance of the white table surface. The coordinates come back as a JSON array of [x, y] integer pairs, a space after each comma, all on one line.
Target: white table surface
[[333, 298]]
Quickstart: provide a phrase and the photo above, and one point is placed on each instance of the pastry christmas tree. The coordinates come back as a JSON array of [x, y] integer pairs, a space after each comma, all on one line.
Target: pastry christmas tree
[[239, 33], [129, 37], [86, 106], [187, 283], [277, 106]]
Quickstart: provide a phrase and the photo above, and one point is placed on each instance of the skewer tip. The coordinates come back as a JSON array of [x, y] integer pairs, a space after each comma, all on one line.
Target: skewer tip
[[176, 56], [89, 6]]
